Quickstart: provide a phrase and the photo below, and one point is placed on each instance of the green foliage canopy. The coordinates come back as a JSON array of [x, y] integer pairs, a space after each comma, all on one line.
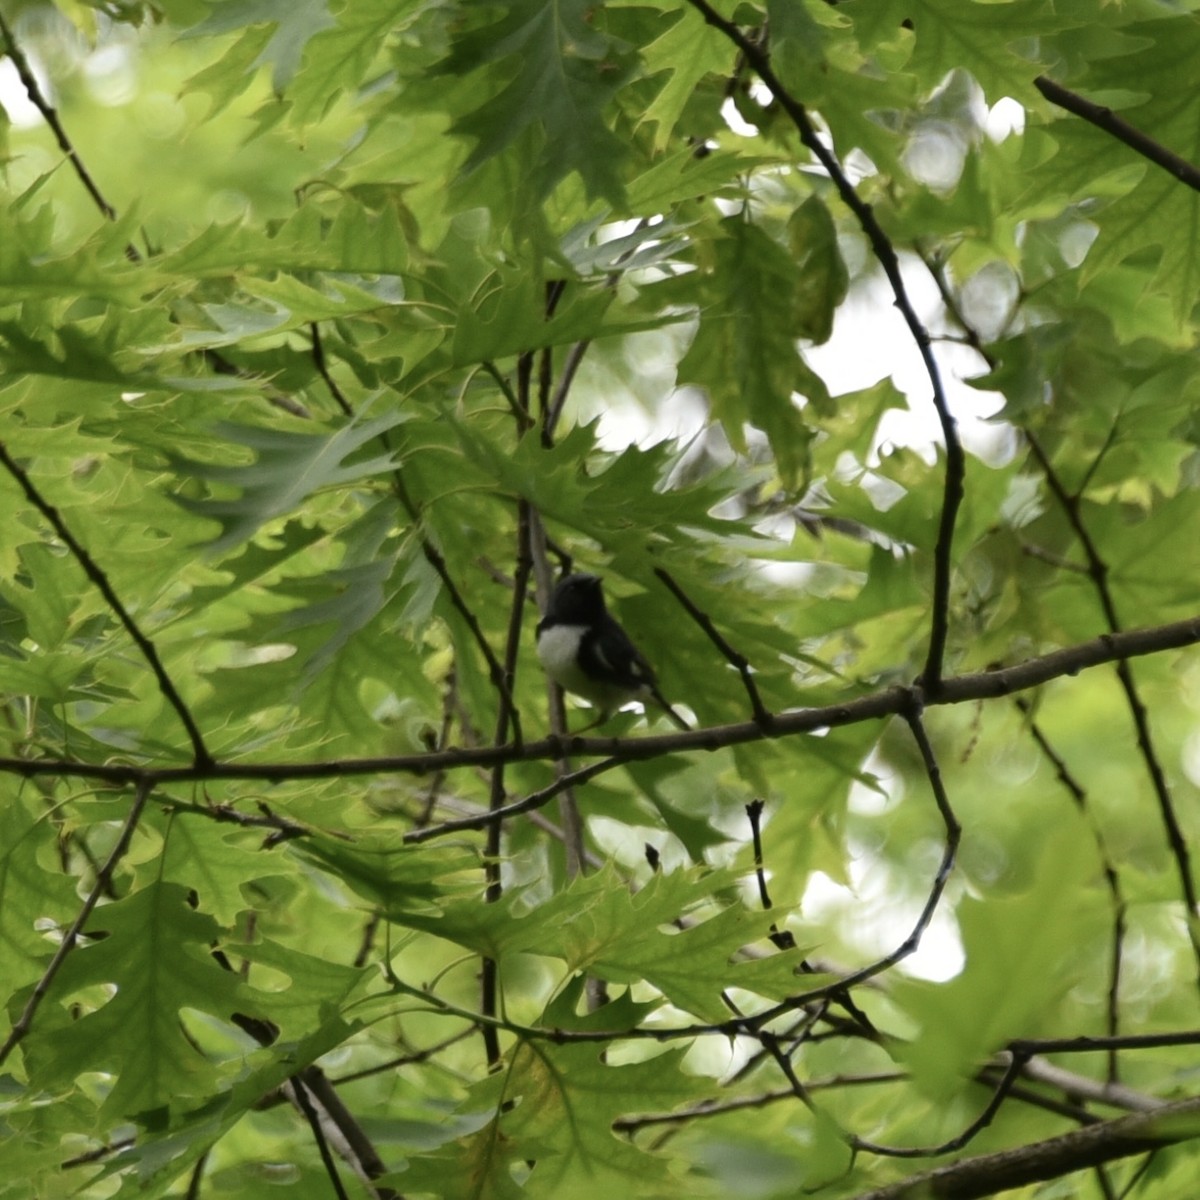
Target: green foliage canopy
[[318, 364]]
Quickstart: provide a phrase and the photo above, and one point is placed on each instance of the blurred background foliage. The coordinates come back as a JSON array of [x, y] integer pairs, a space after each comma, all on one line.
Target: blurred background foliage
[[387, 280]]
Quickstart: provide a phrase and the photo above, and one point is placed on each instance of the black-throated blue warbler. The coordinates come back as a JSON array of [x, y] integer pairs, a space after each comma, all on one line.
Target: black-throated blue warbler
[[587, 653]]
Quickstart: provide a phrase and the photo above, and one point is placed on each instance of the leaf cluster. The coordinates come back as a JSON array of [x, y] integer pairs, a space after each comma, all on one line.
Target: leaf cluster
[[317, 368]]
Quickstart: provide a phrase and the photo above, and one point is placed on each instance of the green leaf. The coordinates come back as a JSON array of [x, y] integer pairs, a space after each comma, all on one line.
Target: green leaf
[[157, 948], [1020, 950], [546, 68], [30, 891], [289, 467], [745, 351]]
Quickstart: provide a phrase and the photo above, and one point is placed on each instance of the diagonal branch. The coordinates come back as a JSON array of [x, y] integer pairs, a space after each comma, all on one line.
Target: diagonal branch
[[50, 116], [885, 253], [1098, 571], [1111, 876], [24, 1022], [305, 1105], [1106, 1141], [911, 712], [200, 755], [1104, 118], [738, 661], [433, 556]]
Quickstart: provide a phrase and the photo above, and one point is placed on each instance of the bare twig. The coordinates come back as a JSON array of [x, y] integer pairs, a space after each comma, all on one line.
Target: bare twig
[[1098, 570], [556, 404], [716, 1108], [282, 829], [758, 59], [355, 1146], [50, 116], [196, 1179], [912, 715], [981, 1122], [739, 662], [489, 975], [1111, 877], [322, 365], [1104, 118], [1080, 1087], [783, 939], [534, 800], [325, 1107], [24, 1022], [1090, 1045], [305, 1105], [404, 1060], [432, 554], [200, 755]]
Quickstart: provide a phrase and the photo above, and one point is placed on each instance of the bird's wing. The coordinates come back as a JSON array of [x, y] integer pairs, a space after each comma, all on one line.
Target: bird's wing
[[611, 655]]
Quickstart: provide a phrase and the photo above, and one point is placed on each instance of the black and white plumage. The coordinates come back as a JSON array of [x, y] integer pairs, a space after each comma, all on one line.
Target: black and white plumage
[[588, 654]]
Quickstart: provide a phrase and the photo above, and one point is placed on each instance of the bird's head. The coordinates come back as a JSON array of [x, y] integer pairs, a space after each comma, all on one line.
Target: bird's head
[[576, 600]]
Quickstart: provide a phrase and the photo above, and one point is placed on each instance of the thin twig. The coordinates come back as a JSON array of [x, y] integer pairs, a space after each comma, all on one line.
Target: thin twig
[[283, 829], [912, 716], [1111, 877], [1083, 1089], [558, 401], [957, 1142], [200, 755], [23, 1024], [322, 365], [716, 1108], [1090, 1045], [305, 1105], [758, 59], [50, 116], [196, 1178], [404, 1060], [1104, 118], [1098, 570], [489, 973], [534, 800], [352, 1141], [783, 939], [432, 554], [739, 662], [357, 1147]]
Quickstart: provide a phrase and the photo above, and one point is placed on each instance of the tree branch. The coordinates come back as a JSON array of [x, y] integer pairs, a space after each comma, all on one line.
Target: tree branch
[[1098, 571], [739, 662], [891, 701], [200, 756], [50, 116], [24, 1022], [1104, 118], [1111, 876], [1106, 1141], [756, 56]]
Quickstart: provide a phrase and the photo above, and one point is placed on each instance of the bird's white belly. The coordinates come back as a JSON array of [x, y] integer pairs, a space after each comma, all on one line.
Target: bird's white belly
[[558, 649]]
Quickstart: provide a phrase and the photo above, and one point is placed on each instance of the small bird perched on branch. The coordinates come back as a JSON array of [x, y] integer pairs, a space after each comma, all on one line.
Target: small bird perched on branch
[[588, 654]]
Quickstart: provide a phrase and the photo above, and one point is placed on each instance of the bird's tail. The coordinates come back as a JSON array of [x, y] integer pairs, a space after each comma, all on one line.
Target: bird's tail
[[676, 719]]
